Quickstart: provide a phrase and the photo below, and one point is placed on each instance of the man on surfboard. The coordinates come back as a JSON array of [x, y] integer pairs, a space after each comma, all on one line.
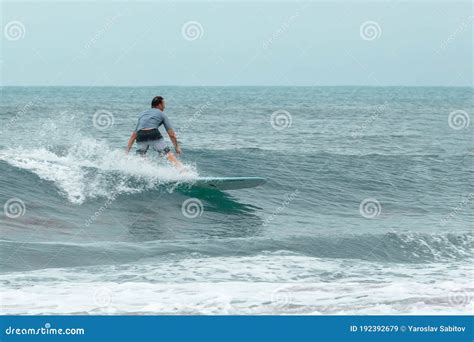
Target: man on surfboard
[[147, 135]]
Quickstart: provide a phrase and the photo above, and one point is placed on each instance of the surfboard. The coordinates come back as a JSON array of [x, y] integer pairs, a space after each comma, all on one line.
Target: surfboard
[[228, 183]]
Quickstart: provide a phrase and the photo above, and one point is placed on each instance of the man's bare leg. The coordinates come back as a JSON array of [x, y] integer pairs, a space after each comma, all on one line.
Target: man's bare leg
[[174, 161]]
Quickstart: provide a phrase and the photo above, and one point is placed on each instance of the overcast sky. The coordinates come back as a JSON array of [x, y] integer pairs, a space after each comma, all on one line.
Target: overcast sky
[[237, 43]]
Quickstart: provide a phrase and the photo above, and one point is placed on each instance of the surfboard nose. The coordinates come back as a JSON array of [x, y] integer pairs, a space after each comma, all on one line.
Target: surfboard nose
[[230, 183]]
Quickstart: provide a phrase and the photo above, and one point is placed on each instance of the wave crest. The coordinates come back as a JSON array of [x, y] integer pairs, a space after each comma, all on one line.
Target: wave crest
[[91, 169]]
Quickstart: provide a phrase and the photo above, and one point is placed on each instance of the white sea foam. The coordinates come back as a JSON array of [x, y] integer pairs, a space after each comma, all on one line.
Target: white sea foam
[[271, 283], [90, 169]]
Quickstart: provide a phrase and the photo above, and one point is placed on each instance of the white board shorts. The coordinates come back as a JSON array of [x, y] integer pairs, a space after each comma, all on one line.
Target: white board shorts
[[159, 145]]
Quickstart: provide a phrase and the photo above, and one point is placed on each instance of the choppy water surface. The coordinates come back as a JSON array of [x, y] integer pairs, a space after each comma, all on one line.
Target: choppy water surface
[[367, 209]]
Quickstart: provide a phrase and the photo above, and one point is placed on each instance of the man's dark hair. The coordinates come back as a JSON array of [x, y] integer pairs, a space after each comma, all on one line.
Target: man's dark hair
[[156, 101]]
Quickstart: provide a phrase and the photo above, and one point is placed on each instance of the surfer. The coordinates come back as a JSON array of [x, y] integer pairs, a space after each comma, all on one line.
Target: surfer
[[147, 135]]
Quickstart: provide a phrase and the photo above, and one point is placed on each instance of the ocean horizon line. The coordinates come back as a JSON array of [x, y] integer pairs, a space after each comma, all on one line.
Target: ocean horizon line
[[238, 86]]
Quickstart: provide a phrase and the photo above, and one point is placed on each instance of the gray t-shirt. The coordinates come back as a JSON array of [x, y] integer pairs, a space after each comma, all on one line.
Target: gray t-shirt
[[152, 118]]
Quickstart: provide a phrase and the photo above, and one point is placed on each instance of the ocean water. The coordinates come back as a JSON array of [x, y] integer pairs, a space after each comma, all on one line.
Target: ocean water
[[367, 208]]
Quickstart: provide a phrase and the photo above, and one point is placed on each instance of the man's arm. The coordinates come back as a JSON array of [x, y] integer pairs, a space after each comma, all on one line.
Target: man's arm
[[174, 140], [132, 139]]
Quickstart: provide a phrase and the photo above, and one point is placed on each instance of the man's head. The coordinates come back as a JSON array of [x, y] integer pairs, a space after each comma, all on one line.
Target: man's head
[[158, 102]]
